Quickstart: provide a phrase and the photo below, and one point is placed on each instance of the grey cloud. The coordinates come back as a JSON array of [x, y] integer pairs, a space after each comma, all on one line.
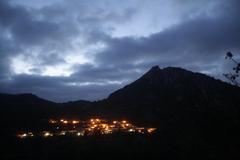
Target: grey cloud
[[50, 30], [201, 39], [205, 31], [56, 88], [88, 73], [51, 59]]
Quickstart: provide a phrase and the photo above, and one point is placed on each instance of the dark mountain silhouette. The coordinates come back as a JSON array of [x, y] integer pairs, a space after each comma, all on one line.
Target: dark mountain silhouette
[[24, 111], [194, 113], [172, 92]]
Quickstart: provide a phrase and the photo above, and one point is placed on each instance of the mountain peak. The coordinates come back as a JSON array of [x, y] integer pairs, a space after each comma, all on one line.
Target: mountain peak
[[168, 73], [174, 82], [155, 68]]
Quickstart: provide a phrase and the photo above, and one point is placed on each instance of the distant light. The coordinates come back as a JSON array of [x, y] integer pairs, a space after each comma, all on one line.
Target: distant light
[[62, 133], [30, 134], [65, 122], [104, 125], [124, 121], [47, 134], [90, 127], [150, 130], [140, 129], [52, 121], [80, 134], [75, 122], [24, 135]]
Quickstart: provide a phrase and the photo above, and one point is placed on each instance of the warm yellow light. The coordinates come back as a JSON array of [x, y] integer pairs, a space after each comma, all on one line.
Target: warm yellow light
[[107, 131], [150, 130], [47, 134], [62, 133], [65, 122], [75, 122], [22, 135], [52, 121], [89, 127], [140, 129], [30, 134], [124, 121]]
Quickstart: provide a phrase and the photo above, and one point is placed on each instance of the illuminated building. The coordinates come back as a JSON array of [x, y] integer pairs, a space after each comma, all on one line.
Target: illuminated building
[[47, 134], [97, 126], [25, 135], [150, 130]]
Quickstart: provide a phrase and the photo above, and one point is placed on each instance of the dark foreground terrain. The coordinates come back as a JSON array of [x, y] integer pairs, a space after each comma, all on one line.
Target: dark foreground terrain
[[109, 147]]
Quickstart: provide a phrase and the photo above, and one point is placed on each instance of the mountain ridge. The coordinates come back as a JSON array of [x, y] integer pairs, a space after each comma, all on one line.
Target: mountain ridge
[[157, 82], [155, 69]]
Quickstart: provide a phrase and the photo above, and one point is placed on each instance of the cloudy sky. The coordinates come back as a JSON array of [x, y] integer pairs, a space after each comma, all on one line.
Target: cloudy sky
[[65, 50]]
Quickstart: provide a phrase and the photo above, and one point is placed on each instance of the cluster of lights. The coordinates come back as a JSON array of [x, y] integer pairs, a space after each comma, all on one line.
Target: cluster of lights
[[24, 135], [64, 121], [31, 134], [90, 127]]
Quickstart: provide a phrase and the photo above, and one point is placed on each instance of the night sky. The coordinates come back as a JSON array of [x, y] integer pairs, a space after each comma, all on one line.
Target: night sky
[[65, 50]]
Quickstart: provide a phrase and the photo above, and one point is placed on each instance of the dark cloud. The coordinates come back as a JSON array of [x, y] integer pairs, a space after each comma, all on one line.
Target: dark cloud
[[90, 73], [201, 39], [56, 88]]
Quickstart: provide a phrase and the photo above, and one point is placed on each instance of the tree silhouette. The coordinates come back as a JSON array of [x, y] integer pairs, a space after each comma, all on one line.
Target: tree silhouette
[[235, 73]]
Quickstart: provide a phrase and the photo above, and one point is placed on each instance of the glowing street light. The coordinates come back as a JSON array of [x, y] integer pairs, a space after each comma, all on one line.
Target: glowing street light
[[150, 130], [75, 122], [47, 134]]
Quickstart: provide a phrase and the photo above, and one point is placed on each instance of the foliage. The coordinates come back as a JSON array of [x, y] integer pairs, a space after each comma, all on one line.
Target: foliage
[[234, 74]]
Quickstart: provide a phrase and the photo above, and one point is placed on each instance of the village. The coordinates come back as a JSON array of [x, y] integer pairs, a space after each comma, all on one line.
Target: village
[[97, 126]]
